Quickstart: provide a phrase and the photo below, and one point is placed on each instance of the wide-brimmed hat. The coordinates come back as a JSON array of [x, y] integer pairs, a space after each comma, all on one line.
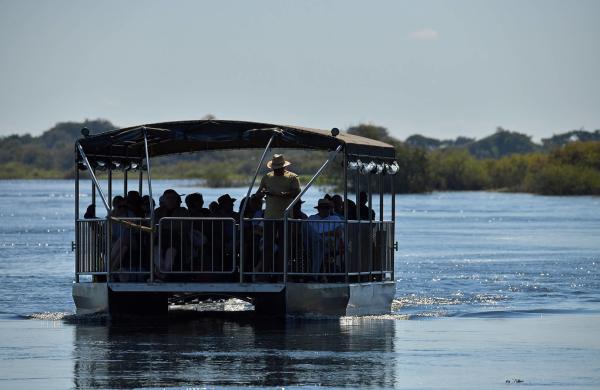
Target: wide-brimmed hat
[[324, 203], [225, 199], [277, 162]]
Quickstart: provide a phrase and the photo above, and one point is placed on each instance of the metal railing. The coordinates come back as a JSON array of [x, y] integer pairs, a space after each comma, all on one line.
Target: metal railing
[[370, 248], [90, 251], [130, 245], [319, 248], [345, 250], [263, 246], [197, 245], [316, 247]]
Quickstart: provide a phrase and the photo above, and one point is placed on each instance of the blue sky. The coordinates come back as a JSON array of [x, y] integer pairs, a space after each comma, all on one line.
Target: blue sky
[[439, 68]]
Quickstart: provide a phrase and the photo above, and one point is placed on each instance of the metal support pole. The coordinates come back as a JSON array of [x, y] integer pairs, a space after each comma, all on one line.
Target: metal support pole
[[76, 221], [109, 221], [94, 179], [381, 186], [359, 259], [370, 193], [124, 183], [243, 210], [296, 199], [140, 184], [345, 178], [393, 224], [110, 187], [149, 177]]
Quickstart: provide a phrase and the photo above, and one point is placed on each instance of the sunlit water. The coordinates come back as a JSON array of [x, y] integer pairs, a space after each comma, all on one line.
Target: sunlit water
[[502, 287]]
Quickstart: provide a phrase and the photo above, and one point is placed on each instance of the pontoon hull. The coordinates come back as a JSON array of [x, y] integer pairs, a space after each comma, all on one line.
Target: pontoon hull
[[321, 299]]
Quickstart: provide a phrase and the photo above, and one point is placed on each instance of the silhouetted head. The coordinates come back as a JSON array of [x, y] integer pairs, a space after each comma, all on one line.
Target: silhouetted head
[[171, 199], [194, 201]]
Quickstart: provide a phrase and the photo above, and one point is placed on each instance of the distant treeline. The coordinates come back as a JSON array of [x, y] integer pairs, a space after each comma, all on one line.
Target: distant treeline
[[564, 164]]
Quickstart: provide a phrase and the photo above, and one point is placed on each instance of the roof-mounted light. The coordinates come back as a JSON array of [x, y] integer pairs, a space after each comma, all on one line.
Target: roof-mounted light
[[392, 169]]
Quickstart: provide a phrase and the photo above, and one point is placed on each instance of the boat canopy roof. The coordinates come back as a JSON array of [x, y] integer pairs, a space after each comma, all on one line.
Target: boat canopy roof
[[197, 135]]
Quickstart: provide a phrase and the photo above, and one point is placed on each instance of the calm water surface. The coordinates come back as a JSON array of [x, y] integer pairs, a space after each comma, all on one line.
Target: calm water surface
[[490, 287]]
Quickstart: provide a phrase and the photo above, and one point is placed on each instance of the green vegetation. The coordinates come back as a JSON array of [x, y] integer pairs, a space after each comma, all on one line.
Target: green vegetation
[[565, 164]]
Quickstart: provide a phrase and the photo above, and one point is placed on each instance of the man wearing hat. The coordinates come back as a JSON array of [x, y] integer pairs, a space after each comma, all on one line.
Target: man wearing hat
[[226, 207], [280, 187], [326, 233]]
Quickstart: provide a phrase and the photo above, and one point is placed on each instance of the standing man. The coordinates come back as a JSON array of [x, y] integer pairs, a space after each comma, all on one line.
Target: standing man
[[280, 187]]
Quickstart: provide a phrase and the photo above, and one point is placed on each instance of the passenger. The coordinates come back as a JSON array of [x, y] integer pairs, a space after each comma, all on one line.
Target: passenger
[[338, 205], [147, 205], [351, 210], [118, 207], [122, 238], [173, 233], [253, 208], [297, 211], [134, 203], [195, 205], [252, 229], [200, 229], [297, 239], [365, 212], [280, 187], [90, 212], [325, 236], [170, 206], [213, 207], [365, 234], [224, 241], [226, 203]]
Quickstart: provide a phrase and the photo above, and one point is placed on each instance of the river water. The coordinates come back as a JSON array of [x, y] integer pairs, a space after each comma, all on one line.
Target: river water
[[490, 288]]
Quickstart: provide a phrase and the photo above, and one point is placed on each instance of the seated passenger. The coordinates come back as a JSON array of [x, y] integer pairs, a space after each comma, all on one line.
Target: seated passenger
[[195, 205], [252, 229], [170, 206], [365, 212], [134, 203], [175, 234], [213, 207], [90, 212], [123, 239], [325, 233], [297, 211], [224, 233], [338, 205], [351, 210], [147, 205], [226, 207]]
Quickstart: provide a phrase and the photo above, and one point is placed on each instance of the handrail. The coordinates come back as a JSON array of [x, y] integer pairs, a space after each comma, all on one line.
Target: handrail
[[132, 225]]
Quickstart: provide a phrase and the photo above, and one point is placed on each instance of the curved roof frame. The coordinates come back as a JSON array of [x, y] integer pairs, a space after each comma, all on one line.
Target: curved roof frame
[[191, 136]]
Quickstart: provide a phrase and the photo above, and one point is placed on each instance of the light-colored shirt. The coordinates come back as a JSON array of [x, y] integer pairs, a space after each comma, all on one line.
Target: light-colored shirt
[[276, 205], [327, 224]]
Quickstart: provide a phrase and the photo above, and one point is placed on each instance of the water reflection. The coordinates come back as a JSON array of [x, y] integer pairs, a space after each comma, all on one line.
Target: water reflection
[[235, 351]]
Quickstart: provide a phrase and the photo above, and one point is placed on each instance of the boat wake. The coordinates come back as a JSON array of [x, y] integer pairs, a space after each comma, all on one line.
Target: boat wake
[[66, 317]]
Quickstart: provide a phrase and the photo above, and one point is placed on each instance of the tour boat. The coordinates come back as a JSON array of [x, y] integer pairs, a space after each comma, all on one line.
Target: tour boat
[[140, 265]]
